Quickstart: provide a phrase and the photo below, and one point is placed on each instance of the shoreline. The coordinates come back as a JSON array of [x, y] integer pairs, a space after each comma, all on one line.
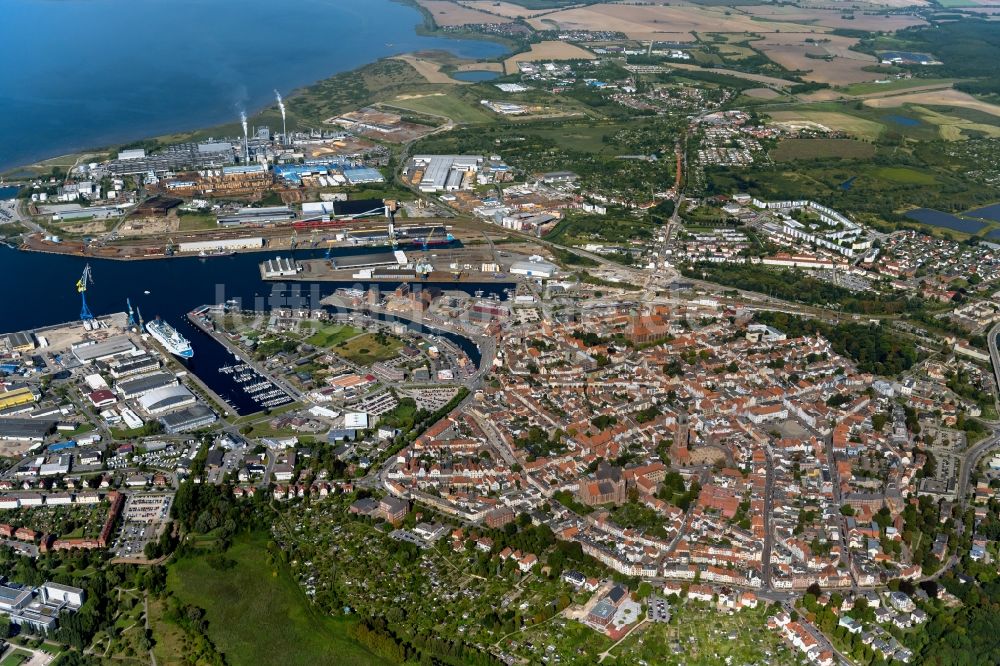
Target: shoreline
[[425, 28]]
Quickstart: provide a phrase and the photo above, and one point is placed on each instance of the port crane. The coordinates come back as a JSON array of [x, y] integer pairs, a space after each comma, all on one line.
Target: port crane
[[427, 238], [138, 314], [81, 287], [131, 315], [329, 250], [295, 240]]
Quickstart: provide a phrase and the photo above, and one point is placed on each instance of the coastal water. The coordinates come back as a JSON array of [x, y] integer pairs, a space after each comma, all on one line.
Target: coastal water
[[79, 74], [40, 290], [938, 218], [475, 76]]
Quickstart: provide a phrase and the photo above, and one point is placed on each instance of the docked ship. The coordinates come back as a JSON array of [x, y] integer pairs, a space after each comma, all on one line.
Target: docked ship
[[168, 336], [216, 253]]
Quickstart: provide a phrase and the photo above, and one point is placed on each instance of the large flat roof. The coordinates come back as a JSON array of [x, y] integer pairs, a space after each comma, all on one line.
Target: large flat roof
[[119, 344]]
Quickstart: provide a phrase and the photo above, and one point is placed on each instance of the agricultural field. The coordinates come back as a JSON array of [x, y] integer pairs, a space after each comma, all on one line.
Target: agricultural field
[[508, 9], [806, 117], [661, 22], [832, 18], [946, 97], [256, 612], [826, 58], [450, 14], [804, 149], [547, 51]]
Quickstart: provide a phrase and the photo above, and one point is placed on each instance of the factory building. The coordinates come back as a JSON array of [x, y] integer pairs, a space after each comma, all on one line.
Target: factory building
[[253, 243], [363, 175], [17, 397], [20, 343], [266, 215], [436, 173], [173, 158], [88, 352]]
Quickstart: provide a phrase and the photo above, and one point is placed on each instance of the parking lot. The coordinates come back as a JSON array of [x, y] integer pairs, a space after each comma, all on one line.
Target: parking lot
[[143, 518], [658, 610]]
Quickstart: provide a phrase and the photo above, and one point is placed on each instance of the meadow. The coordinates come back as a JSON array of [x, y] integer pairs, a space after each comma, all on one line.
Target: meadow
[[257, 614]]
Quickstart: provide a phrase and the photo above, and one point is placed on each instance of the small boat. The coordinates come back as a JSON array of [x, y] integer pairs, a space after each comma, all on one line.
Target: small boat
[[146, 292]]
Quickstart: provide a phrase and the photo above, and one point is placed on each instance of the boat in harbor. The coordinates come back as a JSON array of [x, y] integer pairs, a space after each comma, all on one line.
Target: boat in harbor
[[168, 336], [216, 253]]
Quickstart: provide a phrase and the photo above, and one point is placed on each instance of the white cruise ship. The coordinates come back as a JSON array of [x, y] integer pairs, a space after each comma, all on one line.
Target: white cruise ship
[[168, 336]]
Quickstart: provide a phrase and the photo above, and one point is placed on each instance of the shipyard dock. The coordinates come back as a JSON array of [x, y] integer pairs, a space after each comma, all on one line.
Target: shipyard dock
[[321, 270]]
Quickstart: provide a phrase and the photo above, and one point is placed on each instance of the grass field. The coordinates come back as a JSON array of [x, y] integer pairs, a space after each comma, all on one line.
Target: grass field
[[366, 349], [905, 176], [892, 86], [447, 104], [196, 222], [16, 658], [329, 336], [258, 615], [834, 120], [169, 647], [804, 149]]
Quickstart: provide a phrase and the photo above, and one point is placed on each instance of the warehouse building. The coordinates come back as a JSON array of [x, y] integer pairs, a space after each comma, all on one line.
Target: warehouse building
[[140, 386], [88, 352], [129, 366], [166, 399], [265, 215], [538, 269], [253, 243], [25, 430], [19, 342], [444, 172], [188, 419]]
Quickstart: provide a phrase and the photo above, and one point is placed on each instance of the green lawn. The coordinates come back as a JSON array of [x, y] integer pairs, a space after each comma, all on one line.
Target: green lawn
[[366, 349], [16, 658], [258, 615], [329, 336]]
